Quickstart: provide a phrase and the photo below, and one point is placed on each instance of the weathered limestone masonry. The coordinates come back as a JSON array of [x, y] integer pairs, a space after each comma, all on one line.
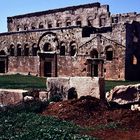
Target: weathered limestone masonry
[[65, 42], [75, 87]]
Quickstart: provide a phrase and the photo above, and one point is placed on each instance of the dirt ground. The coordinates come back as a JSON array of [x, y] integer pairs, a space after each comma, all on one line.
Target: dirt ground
[[110, 123]]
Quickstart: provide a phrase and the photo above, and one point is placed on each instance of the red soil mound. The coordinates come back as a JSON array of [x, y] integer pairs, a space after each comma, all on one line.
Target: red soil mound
[[89, 111]]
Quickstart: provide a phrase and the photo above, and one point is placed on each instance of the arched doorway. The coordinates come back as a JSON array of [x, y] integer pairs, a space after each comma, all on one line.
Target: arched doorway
[[48, 44], [94, 66]]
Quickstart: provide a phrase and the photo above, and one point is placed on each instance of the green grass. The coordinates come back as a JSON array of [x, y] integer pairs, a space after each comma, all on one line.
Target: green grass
[[31, 126], [21, 82], [111, 84], [28, 82]]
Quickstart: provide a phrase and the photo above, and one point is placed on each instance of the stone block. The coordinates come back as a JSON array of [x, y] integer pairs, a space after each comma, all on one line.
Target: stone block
[[82, 86], [10, 96]]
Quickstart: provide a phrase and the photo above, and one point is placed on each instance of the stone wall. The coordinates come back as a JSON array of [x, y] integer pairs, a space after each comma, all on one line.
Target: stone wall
[[24, 65], [62, 17], [72, 66]]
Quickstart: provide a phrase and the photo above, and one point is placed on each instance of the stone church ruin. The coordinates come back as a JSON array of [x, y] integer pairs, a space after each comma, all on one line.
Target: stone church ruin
[[73, 41]]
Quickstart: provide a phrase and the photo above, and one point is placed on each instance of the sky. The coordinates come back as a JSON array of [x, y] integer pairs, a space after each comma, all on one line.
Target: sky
[[17, 7]]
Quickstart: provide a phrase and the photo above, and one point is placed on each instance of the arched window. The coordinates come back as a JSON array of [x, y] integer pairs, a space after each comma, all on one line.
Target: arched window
[[62, 48], [58, 23], [19, 50], [47, 47], [12, 50], [102, 20], [49, 24], [90, 21], [78, 22], [109, 53], [25, 27], [35, 49], [73, 48], [94, 53], [18, 28], [68, 22], [33, 26], [134, 61], [2, 52], [41, 26], [26, 50]]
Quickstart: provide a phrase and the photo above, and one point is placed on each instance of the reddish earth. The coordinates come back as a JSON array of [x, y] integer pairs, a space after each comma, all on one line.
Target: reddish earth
[[91, 112]]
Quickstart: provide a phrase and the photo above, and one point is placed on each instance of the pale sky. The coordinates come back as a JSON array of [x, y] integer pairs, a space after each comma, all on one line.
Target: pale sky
[[16, 7]]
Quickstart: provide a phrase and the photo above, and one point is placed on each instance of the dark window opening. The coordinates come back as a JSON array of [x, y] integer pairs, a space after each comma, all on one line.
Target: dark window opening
[[72, 50], [109, 55], [26, 51], [2, 66], [95, 70], [59, 24], [33, 27], [68, 23], [2, 52], [48, 69], [41, 26], [35, 49], [25, 27], [47, 47], [90, 21], [18, 28], [102, 21], [79, 23], [114, 19], [62, 50], [12, 50], [94, 54], [19, 51], [49, 25]]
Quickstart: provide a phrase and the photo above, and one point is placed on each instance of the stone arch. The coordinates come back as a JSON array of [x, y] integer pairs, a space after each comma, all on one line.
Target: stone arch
[[94, 53], [33, 27], [48, 37], [26, 50], [68, 22], [12, 50], [41, 25], [49, 24], [25, 27], [73, 48], [62, 48], [109, 52], [78, 21], [2, 52], [102, 20], [19, 50], [19, 28], [58, 23], [90, 21]]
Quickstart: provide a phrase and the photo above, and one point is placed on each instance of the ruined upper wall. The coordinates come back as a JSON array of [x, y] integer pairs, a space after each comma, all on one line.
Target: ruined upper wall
[[89, 14], [125, 17]]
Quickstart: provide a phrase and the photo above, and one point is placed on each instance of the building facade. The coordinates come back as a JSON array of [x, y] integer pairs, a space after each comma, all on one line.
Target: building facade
[[72, 41]]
